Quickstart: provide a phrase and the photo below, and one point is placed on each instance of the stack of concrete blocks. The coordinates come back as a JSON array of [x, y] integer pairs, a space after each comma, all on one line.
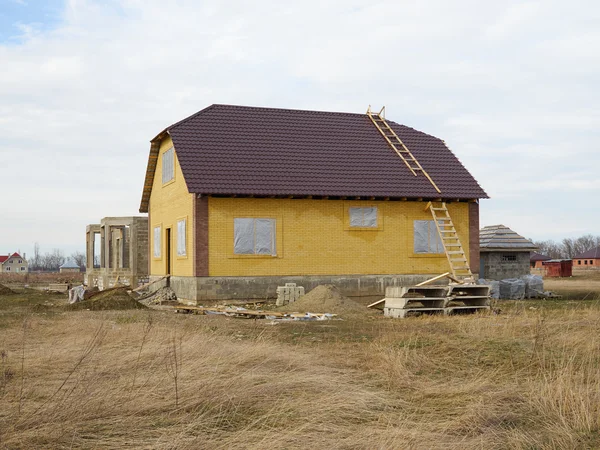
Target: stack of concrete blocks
[[288, 293], [403, 300]]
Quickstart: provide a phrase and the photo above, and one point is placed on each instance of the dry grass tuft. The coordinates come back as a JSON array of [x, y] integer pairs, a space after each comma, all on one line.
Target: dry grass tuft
[[527, 378]]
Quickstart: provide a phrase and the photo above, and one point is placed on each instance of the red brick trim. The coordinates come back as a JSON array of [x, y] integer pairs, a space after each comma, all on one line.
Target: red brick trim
[[200, 236], [474, 236]]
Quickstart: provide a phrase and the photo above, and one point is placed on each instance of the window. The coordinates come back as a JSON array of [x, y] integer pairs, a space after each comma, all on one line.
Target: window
[[11, 261], [20, 261], [591, 262], [181, 237], [509, 258], [168, 166], [363, 217], [157, 243], [426, 237], [22, 269], [585, 262], [254, 237], [578, 262], [8, 269]]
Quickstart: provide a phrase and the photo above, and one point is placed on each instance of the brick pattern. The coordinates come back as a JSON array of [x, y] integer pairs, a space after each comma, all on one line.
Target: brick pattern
[[474, 233], [313, 239], [201, 237]]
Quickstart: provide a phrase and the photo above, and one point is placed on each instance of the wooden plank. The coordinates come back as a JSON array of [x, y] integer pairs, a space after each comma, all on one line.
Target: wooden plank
[[150, 284], [376, 303], [431, 280]]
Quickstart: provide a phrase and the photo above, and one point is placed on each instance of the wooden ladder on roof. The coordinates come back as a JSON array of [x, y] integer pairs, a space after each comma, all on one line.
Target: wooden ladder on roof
[[397, 145], [459, 266]]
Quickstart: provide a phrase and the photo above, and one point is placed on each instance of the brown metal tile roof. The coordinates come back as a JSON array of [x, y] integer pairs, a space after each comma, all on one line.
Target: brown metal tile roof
[[592, 253], [243, 150]]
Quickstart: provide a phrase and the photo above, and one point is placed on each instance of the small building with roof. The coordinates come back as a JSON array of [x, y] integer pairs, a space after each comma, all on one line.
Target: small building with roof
[[536, 260], [69, 266], [13, 263], [588, 260], [503, 253]]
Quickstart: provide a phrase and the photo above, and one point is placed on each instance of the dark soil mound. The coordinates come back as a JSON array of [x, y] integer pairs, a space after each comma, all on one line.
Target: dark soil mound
[[6, 290], [110, 299], [326, 299]]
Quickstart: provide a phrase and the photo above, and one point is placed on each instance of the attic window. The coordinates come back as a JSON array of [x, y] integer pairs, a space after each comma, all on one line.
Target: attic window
[[363, 217], [509, 258], [168, 166]]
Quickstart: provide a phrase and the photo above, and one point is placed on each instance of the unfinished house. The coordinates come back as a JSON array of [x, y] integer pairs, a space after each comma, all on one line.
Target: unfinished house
[[504, 254], [244, 199], [116, 252]]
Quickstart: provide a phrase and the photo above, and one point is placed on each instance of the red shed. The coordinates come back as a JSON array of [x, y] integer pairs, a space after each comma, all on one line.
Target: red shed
[[558, 267]]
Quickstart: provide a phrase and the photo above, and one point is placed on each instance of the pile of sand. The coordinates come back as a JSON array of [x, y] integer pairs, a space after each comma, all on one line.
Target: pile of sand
[[6, 290], [109, 299], [164, 295], [325, 299]]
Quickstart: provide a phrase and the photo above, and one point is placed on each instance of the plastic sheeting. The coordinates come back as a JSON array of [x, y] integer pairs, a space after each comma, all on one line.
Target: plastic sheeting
[[254, 237], [426, 237], [534, 286], [494, 287], [512, 289], [181, 237], [76, 294], [363, 217], [156, 242]]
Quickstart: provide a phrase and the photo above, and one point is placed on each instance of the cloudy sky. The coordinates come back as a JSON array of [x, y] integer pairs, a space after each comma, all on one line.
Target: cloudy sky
[[511, 86]]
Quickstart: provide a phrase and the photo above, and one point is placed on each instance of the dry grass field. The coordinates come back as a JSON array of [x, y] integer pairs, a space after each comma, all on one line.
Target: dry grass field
[[527, 377]]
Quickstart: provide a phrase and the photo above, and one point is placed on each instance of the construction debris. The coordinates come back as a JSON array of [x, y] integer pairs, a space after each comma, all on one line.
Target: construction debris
[[244, 313], [161, 296]]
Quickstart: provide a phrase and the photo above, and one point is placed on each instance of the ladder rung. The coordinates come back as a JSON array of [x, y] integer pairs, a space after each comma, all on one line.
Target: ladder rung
[[457, 253]]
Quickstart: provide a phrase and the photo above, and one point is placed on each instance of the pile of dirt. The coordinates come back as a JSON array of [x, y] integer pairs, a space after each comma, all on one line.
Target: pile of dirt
[[109, 299], [90, 292], [4, 290], [325, 299]]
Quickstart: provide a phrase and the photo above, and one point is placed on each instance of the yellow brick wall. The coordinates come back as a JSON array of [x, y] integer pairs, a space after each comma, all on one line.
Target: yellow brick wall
[[313, 238], [168, 204]]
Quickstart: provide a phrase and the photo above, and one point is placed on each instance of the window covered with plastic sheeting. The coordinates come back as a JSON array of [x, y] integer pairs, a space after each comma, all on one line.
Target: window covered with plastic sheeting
[[363, 217], [426, 237], [156, 242], [254, 237], [168, 166], [181, 237]]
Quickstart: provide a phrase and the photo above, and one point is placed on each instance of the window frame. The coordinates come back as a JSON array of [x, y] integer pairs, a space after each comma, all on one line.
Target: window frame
[[275, 233], [154, 246], [171, 152], [440, 245], [183, 255], [509, 257]]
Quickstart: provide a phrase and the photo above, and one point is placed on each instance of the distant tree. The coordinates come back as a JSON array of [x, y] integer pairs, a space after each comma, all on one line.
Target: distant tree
[[35, 262], [53, 260], [79, 259], [550, 248]]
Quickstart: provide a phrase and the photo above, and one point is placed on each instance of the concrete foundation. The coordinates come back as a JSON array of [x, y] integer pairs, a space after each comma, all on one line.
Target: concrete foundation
[[199, 289], [123, 258]]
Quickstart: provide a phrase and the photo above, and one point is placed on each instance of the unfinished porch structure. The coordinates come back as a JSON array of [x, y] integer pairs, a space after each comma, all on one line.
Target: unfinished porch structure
[[116, 252]]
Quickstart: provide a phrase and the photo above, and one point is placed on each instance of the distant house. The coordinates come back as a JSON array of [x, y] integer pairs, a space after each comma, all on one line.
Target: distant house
[[14, 263], [536, 260], [69, 266], [503, 253], [243, 199], [588, 260]]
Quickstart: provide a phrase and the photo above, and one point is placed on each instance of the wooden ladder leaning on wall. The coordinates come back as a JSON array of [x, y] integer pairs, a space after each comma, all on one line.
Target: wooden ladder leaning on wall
[[396, 143], [459, 266]]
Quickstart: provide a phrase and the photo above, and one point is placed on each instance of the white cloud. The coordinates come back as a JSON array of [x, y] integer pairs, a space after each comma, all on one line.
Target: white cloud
[[510, 86]]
